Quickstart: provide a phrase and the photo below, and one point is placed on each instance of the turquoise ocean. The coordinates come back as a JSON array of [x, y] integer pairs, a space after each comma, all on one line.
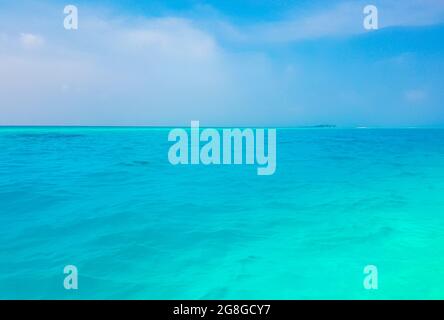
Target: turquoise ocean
[[108, 201]]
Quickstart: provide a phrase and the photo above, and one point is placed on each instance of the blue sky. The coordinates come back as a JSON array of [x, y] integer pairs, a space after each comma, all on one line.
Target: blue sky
[[245, 62]]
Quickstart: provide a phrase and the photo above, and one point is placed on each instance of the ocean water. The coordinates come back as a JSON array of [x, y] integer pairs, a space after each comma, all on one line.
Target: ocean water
[[108, 201]]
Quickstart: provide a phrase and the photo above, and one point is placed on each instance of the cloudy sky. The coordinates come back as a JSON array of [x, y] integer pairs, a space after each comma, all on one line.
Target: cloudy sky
[[222, 62]]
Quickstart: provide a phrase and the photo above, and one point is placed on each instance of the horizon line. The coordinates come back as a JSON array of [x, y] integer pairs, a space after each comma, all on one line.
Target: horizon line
[[319, 126]]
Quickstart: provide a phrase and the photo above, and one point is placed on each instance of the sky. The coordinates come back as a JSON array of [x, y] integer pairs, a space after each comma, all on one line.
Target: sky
[[223, 63]]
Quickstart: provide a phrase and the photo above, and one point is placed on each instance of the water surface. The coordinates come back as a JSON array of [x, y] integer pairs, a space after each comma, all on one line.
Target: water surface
[[108, 201]]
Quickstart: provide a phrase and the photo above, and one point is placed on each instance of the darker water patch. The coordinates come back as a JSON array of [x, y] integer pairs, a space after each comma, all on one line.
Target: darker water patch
[[47, 136], [136, 163]]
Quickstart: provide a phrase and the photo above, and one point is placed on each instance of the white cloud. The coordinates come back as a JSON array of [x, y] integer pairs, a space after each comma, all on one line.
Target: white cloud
[[151, 71], [415, 95], [340, 20], [29, 40], [170, 36], [344, 19], [411, 13]]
